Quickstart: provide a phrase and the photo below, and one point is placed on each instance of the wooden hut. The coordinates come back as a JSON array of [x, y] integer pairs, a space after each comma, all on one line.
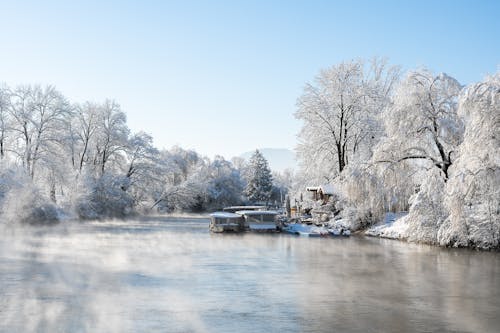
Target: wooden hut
[[322, 192]]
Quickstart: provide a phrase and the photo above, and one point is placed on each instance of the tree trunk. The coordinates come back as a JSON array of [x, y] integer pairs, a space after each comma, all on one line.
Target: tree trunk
[[53, 192], [340, 157]]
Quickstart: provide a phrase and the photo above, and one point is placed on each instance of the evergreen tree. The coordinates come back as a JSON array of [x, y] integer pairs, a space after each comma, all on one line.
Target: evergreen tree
[[260, 180]]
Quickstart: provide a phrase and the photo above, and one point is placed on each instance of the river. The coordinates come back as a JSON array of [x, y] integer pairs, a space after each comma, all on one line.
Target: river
[[166, 274]]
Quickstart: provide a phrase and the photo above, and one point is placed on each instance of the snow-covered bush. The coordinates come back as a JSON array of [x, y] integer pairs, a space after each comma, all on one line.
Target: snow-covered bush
[[183, 197], [360, 199], [224, 184], [224, 191], [426, 214], [104, 197], [22, 201], [427, 211], [398, 180]]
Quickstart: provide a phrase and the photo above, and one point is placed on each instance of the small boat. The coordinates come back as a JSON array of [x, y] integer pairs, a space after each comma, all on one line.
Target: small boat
[[339, 232], [310, 234], [305, 230], [226, 222]]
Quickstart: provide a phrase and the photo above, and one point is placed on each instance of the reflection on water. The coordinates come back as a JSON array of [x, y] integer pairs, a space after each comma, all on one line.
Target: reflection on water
[[171, 275]]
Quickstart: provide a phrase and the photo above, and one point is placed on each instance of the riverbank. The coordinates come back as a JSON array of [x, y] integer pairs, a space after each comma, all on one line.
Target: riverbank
[[401, 226]]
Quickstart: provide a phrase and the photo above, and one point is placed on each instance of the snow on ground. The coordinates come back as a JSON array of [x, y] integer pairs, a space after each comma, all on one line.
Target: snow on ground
[[394, 226]]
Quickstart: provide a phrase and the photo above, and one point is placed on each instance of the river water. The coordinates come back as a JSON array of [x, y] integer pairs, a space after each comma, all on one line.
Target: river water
[[170, 275]]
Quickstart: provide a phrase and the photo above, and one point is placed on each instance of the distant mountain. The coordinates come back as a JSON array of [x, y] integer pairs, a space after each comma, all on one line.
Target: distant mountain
[[279, 159]]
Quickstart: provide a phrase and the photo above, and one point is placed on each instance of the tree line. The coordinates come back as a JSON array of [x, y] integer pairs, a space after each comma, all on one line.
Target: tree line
[[59, 158]]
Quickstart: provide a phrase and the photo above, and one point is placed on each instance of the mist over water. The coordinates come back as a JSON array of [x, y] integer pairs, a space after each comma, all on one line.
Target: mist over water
[[168, 274]]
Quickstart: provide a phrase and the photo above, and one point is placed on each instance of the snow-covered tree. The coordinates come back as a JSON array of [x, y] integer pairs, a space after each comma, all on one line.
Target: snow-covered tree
[[260, 181], [4, 119], [454, 134], [112, 135], [339, 113], [225, 184], [282, 184], [183, 184], [422, 124], [38, 113], [82, 131], [182, 163], [422, 134], [141, 155], [143, 168], [103, 196], [473, 192]]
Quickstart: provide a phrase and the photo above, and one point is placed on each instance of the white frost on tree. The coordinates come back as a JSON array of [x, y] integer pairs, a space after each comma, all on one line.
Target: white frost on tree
[[84, 159], [260, 181], [341, 125], [339, 113], [225, 184], [37, 114], [422, 132], [5, 119], [422, 123], [473, 192], [456, 135]]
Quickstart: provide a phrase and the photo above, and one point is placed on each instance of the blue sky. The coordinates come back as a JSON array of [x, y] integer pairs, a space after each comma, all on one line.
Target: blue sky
[[222, 77]]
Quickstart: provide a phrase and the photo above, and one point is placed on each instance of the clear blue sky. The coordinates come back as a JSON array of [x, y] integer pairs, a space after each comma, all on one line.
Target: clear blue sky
[[223, 76]]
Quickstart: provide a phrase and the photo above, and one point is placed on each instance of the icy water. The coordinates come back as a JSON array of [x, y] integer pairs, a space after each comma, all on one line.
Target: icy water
[[171, 275]]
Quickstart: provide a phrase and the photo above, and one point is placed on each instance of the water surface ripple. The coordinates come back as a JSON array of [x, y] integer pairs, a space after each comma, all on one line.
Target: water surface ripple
[[166, 274]]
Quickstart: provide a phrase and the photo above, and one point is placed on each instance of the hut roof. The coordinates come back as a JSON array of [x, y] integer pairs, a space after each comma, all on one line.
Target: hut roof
[[325, 189], [257, 212], [225, 215]]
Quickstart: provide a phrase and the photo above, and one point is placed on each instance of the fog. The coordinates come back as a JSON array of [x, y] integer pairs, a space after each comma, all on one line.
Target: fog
[[169, 274]]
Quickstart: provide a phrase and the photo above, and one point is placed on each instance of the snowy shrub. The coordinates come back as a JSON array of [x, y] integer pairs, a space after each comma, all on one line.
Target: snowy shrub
[[339, 224], [9, 178], [182, 197], [224, 191], [427, 211], [426, 214], [23, 202], [362, 203], [104, 197], [399, 180], [224, 184]]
